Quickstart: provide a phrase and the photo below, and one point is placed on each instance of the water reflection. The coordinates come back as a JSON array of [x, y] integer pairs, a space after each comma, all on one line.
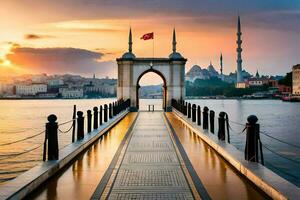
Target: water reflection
[[22, 118], [220, 180]]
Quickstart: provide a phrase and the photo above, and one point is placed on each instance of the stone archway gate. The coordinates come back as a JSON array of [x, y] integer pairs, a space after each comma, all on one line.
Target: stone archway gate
[[131, 69]]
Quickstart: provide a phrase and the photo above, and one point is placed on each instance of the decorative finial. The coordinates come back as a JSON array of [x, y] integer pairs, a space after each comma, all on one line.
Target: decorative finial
[[174, 41], [239, 24], [130, 41]]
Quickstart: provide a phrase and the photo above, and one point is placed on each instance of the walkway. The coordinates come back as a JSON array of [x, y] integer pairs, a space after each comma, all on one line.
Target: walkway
[[149, 166]]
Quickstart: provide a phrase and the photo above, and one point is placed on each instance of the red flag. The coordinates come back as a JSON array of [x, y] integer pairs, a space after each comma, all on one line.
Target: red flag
[[148, 36]]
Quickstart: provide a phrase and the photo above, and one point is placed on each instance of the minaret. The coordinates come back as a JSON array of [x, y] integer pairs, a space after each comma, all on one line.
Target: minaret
[[239, 77], [174, 41], [221, 69], [221, 64], [174, 54], [130, 41], [129, 54]]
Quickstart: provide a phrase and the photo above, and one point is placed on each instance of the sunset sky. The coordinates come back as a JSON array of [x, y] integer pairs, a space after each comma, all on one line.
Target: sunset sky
[[86, 36]]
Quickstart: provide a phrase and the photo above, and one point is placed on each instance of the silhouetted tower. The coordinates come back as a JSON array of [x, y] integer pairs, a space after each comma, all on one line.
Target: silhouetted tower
[[239, 50], [221, 69], [174, 41], [257, 74], [130, 41]]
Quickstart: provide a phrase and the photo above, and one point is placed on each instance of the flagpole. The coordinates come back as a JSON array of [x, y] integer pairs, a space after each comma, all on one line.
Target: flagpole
[[153, 48]]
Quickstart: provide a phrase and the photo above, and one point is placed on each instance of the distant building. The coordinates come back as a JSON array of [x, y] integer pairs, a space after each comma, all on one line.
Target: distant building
[[258, 81], [40, 78], [71, 93], [241, 85], [56, 82], [203, 74], [197, 73], [239, 60], [296, 80], [221, 68], [6, 89], [30, 90]]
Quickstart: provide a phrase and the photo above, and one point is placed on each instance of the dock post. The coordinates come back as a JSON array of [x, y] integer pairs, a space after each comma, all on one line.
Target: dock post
[[100, 115], [113, 109], [199, 115], [80, 125], [212, 121], [193, 113], [189, 110], [51, 134], [185, 108], [95, 117], [205, 118], [89, 121], [105, 112], [74, 123], [109, 110], [221, 131], [252, 140]]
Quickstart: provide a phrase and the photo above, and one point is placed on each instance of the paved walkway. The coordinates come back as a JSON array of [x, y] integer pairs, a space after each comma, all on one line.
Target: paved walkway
[[151, 168]]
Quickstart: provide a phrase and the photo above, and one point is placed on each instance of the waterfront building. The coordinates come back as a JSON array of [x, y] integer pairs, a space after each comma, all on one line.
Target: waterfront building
[[296, 80], [39, 78], [239, 75], [258, 81], [30, 90], [6, 89], [55, 82], [71, 93]]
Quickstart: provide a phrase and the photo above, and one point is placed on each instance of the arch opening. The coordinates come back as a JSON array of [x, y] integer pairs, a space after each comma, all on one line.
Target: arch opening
[[151, 89]]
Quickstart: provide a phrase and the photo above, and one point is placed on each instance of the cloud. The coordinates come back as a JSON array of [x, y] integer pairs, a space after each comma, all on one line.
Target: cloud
[[36, 36], [61, 60]]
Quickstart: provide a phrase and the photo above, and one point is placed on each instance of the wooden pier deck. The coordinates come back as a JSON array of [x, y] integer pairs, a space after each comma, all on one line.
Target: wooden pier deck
[[149, 155], [150, 166]]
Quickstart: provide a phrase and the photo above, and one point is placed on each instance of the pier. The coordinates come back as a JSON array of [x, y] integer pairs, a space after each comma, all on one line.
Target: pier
[[150, 155]]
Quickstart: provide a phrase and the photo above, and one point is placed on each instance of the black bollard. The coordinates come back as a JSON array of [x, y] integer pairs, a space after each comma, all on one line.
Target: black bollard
[[189, 110], [80, 125], [212, 121], [113, 109], [89, 121], [185, 109], [100, 115], [51, 134], [194, 113], [95, 117], [252, 140], [109, 110], [198, 115], [205, 118], [221, 131], [105, 112]]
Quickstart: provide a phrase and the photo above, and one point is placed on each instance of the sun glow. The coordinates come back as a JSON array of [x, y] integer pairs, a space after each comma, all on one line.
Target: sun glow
[[4, 50]]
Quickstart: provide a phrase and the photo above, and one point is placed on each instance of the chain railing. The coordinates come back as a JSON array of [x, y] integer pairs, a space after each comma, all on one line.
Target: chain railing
[[96, 117]]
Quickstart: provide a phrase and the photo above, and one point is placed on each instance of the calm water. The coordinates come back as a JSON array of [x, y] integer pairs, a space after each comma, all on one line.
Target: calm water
[[276, 118], [22, 118]]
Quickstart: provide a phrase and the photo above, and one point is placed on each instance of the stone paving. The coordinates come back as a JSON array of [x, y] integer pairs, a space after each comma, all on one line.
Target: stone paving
[[150, 168]]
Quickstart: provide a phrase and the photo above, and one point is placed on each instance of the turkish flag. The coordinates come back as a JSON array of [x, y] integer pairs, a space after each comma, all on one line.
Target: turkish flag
[[148, 36]]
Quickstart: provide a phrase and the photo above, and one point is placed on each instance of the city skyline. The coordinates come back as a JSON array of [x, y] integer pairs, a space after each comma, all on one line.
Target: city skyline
[[86, 38]]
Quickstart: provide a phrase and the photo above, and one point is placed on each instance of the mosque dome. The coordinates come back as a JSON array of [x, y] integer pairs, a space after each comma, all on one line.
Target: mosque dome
[[175, 55], [128, 55]]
